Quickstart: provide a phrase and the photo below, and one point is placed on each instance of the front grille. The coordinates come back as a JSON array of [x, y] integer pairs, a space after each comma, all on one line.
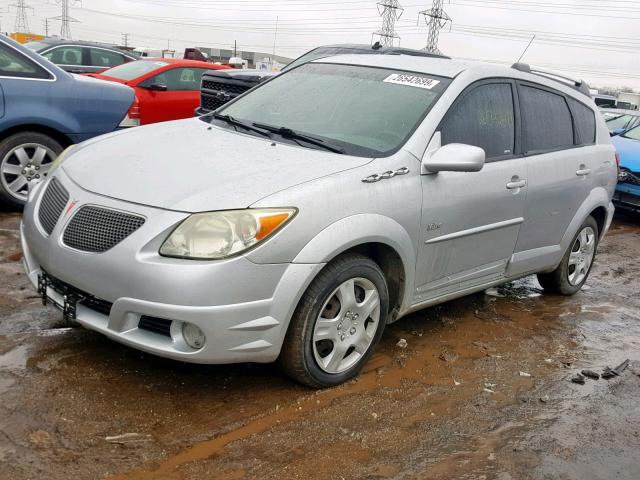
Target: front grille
[[211, 103], [53, 202], [224, 87], [96, 230], [156, 325]]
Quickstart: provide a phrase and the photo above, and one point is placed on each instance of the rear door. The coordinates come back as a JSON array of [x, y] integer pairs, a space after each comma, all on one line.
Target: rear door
[[471, 221], [557, 133], [179, 100]]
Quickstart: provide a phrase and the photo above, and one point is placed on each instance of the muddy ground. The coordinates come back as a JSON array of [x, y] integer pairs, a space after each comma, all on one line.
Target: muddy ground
[[453, 404]]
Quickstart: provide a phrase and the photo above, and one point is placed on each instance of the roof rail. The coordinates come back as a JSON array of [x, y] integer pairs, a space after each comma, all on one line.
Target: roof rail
[[579, 85]]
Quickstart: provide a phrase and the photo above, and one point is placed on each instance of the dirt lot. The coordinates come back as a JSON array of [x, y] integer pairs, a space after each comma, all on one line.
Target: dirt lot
[[481, 391]]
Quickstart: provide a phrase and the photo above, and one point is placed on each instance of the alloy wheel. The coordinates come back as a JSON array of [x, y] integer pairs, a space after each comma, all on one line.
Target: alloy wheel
[[346, 326], [23, 166], [581, 257]]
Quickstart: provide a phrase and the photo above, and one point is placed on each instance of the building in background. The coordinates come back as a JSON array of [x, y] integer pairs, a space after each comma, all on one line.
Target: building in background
[[260, 60], [26, 37]]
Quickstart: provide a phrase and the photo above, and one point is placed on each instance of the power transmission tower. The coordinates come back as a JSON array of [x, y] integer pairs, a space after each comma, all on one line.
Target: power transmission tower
[[46, 27], [65, 18], [125, 39], [436, 19], [390, 11], [22, 24]]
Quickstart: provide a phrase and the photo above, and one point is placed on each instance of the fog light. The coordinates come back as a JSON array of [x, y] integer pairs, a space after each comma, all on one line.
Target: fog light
[[193, 336]]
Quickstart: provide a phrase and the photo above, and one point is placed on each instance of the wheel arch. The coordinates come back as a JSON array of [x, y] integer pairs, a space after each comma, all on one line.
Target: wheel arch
[[377, 237], [58, 136]]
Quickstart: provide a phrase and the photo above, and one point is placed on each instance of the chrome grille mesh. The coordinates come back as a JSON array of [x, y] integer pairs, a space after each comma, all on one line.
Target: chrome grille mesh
[[53, 202], [96, 230]]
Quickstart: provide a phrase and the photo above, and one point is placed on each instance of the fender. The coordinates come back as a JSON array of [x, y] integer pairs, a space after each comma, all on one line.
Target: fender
[[359, 229], [599, 197]]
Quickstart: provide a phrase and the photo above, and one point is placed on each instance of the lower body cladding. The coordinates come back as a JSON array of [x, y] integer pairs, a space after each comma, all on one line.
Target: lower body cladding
[[226, 311]]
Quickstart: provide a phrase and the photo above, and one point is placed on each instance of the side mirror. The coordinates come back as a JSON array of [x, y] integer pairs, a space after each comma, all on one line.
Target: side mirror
[[455, 157], [157, 87]]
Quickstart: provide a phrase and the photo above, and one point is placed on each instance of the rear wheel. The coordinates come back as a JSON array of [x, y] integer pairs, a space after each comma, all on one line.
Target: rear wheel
[[25, 159], [574, 269], [338, 322]]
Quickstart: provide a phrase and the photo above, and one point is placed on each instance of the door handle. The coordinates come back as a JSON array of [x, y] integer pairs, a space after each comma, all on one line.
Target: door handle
[[514, 184], [583, 172]]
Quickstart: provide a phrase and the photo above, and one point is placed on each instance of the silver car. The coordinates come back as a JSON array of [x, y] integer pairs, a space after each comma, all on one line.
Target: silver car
[[297, 221]]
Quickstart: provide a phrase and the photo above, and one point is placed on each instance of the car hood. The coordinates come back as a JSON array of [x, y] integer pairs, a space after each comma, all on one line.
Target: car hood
[[629, 151], [187, 166]]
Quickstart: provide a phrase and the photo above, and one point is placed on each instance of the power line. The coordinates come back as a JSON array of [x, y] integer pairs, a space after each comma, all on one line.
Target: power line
[[65, 18], [22, 23], [436, 19], [390, 11]]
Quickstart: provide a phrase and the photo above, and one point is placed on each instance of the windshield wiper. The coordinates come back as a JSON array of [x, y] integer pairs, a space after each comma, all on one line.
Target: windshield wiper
[[289, 133], [238, 123]]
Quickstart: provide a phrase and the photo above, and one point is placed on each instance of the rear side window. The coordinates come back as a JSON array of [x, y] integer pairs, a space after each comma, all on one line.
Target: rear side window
[[14, 64], [484, 117], [69, 55], [585, 122], [547, 123], [105, 58]]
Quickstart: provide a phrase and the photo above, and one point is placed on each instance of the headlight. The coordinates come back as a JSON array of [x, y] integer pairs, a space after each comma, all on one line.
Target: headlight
[[59, 159], [216, 235]]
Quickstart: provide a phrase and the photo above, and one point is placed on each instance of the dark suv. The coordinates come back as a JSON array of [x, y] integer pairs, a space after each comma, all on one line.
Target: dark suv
[[220, 87]]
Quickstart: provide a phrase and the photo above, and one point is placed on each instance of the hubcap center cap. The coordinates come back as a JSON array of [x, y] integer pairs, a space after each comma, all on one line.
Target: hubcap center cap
[[348, 326]]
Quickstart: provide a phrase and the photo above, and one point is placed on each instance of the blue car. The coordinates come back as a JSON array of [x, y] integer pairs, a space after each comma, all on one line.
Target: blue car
[[44, 110], [627, 194]]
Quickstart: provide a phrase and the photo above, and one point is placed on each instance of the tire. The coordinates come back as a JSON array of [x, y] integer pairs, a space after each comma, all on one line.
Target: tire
[[326, 345], [574, 269], [25, 158]]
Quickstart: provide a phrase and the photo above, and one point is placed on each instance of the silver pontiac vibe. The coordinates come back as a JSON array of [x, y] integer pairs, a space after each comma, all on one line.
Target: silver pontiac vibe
[[298, 220]]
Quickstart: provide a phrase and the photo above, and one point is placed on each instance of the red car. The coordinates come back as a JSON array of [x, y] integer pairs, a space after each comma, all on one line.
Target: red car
[[166, 88]]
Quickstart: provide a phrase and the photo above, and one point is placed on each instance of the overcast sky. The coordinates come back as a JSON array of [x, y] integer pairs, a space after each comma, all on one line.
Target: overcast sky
[[596, 40]]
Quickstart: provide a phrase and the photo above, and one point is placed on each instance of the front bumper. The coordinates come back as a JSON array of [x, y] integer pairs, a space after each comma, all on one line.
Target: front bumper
[[243, 308]]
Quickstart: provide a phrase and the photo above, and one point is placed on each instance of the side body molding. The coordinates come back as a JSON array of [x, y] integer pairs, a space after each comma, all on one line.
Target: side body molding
[[356, 230]]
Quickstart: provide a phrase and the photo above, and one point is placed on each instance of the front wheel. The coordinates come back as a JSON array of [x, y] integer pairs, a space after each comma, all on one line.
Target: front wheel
[[574, 269], [337, 323], [25, 159]]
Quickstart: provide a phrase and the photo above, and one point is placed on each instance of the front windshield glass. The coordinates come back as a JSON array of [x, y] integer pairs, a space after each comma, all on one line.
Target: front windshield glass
[[365, 111], [619, 122], [36, 46], [322, 52], [633, 134], [131, 70]]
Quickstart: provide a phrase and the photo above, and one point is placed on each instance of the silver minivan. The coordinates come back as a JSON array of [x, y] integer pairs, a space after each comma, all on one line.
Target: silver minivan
[[297, 221]]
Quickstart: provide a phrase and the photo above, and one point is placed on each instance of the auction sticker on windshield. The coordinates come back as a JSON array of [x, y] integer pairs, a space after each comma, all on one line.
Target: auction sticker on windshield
[[412, 80]]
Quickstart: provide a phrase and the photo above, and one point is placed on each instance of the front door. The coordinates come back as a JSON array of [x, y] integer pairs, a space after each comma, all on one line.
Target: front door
[[471, 221]]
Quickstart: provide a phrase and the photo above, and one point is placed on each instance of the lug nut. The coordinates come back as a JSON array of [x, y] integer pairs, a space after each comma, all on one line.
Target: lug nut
[[352, 331], [37, 176], [342, 337], [37, 168]]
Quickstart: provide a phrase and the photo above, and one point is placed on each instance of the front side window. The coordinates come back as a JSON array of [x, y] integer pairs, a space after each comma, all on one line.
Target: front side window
[[366, 111], [105, 58], [179, 79], [484, 117], [547, 122], [69, 55], [14, 64], [585, 122]]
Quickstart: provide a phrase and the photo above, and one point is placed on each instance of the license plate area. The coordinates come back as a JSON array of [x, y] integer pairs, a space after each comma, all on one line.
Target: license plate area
[[69, 295]]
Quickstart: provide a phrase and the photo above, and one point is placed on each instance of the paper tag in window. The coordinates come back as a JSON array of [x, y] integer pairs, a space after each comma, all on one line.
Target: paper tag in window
[[412, 80]]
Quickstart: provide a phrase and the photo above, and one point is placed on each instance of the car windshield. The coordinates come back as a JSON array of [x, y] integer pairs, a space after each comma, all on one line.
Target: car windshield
[[633, 134], [37, 46], [619, 122], [323, 52], [365, 111], [131, 70]]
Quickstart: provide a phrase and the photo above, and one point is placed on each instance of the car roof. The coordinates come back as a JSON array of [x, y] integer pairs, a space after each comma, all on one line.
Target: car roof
[[60, 41], [451, 68], [378, 49], [180, 61]]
